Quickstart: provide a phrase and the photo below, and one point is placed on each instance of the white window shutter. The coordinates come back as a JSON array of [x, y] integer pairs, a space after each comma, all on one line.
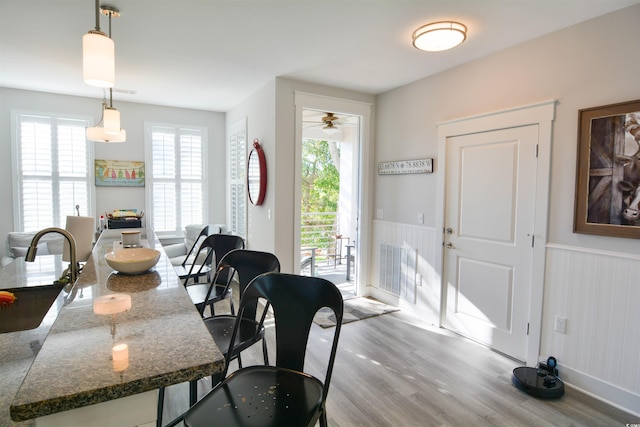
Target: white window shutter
[[53, 170], [237, 147], [177, 180]]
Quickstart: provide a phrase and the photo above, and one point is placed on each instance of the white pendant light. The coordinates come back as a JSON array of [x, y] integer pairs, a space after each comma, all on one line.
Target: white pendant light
[[98, 134], [110, 130], [439, 36], [111, 120], [98, 57]]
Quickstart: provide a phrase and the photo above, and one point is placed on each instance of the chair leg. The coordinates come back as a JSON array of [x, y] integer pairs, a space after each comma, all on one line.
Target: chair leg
[[215, 379], [239, 361], [193, 392], [323, 417], [160, 407], [265, 355]]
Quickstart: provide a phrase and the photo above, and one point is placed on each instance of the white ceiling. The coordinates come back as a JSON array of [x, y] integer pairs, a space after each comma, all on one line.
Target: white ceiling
[[212, 54]]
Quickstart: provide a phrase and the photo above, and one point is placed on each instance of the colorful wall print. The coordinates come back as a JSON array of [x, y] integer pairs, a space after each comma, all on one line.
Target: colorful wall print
[[119, 173]]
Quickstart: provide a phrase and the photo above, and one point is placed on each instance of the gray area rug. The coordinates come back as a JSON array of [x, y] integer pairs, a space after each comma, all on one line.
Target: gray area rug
[[354, 309]]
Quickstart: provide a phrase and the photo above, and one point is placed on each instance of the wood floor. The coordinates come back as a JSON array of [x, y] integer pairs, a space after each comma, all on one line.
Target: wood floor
[[392, 371]]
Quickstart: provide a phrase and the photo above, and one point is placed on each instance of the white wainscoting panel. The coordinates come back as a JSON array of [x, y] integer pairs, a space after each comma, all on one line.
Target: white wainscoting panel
[[413, 239], [599, 294]]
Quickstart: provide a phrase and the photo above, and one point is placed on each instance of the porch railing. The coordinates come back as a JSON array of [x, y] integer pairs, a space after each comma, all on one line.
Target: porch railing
[[318, 230]]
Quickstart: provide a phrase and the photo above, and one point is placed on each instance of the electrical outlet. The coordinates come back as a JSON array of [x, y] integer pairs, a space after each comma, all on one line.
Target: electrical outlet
[[418, 279], [380, 213], [561, 324], [420, 218]]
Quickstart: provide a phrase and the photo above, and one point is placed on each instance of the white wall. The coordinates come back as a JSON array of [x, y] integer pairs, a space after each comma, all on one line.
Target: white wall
[[133, 117], [270, 116], [259, 109], [583, 66]]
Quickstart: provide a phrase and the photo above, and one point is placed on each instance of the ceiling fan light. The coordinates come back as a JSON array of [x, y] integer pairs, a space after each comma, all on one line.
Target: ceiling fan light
[[98, 59], [330, 129], [439, 36], [111, 120]]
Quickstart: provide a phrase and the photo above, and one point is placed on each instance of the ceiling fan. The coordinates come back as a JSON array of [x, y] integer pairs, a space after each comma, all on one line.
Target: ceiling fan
[[329, 126], [329, 121]]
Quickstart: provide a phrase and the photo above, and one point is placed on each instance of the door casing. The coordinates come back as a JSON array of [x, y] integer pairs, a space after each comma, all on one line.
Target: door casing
[[364, 206], [541, 114]]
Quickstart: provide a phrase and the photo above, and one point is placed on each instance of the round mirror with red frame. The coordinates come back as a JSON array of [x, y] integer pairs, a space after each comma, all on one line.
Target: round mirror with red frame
[[256, 174]]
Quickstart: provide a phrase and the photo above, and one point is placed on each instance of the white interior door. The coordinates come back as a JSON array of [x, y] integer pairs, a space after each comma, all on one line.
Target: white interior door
[[489, 224]]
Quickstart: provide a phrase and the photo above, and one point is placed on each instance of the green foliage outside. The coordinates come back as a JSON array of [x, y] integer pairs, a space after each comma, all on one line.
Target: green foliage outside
[[320, 189]]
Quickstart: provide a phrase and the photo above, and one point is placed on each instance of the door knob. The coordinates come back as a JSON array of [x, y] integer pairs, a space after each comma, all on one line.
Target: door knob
[[449, 230], [449, 245]]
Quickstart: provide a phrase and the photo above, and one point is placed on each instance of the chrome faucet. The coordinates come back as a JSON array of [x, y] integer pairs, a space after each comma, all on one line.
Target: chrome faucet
[[33, 248]]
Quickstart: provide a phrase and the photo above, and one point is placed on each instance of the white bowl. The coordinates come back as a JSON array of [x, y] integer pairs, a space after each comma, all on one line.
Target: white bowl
[[132, 260]]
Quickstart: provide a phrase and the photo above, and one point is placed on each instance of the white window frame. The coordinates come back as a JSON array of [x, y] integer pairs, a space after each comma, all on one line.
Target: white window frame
[[86, 207], [237, 199], [149, 176]]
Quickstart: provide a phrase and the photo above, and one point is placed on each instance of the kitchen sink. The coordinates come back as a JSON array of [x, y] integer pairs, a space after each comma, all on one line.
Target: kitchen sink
[[28, 310]]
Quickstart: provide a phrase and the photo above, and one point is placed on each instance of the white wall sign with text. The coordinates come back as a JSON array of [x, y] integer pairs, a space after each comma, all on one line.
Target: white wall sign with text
[[405, 167]]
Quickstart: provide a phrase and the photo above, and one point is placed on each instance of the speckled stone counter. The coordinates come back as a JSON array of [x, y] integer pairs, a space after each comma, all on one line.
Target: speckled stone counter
[[167, 341], [19, 349]]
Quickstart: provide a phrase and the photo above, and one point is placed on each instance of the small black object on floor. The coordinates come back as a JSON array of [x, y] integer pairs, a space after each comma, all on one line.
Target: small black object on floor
[[541, 381]]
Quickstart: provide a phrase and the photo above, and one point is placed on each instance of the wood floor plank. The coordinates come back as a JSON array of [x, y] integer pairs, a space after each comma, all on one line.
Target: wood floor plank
[[393, 371]]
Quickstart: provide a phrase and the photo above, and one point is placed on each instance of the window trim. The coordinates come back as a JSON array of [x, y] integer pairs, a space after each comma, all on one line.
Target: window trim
[[148, 154], [17, 185]]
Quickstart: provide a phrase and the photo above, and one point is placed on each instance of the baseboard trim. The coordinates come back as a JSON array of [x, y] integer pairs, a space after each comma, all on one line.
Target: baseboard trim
[[383, 296], [600, 390]]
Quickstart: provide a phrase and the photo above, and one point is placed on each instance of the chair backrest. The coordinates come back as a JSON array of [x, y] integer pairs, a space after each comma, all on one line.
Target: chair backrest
[[247, 265], [196, 245], [215, 246], [295, 300]]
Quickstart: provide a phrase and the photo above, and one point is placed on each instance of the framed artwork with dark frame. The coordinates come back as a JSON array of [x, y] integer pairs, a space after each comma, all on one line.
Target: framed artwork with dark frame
[[608, 171]]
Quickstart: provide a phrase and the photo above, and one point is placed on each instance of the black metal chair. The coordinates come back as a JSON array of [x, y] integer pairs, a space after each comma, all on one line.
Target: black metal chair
[[246, 265], [280, 395], [205, 295], [193, 262]]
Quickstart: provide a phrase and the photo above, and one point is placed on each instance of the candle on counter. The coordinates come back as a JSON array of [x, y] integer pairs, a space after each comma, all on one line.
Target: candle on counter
[[120, 355], [112, 304]]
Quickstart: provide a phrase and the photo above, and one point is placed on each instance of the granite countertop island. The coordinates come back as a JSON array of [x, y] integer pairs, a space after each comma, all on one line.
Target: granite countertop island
[[18, 349], [78, 365]]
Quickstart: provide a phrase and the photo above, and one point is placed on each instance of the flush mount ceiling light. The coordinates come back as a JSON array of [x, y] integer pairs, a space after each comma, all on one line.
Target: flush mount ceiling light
[[98, 54], [439, 36]]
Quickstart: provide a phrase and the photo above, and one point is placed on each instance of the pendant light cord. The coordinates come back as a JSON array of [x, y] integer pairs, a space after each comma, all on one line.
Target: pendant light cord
[[110, 13], [98, 16]]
